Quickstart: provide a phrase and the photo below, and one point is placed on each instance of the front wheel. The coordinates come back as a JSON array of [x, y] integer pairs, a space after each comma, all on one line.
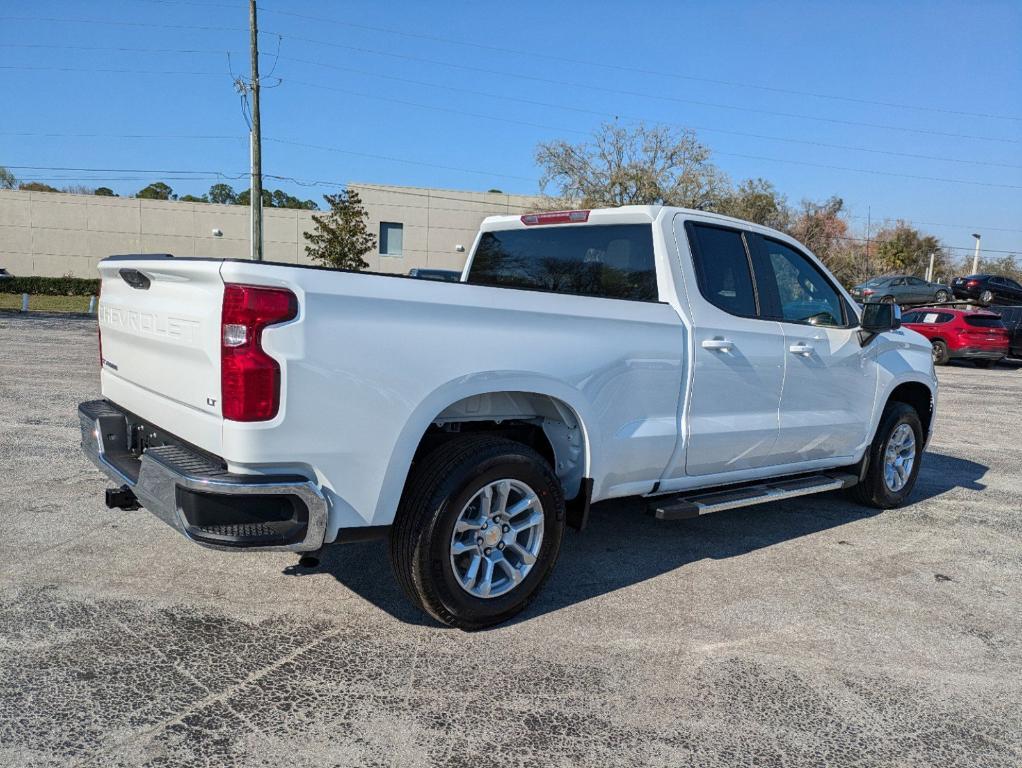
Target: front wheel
[[893, 458], [942, 296], [477, 531]]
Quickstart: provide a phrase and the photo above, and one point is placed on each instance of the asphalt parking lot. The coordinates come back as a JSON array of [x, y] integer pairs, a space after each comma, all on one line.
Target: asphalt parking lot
[[812, 632]]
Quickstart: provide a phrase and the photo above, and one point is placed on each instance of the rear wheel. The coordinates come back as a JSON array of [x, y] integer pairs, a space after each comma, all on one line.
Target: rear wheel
[[478, 530], [887, 300], [987, 297], [940, 353], [893, 458]]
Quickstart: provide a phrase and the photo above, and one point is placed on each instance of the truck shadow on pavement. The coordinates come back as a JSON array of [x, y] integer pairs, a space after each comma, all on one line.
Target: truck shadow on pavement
[[623, 546]]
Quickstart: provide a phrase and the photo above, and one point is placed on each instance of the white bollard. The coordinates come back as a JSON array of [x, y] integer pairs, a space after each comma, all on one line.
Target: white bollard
[[92, 304], [24, 302]]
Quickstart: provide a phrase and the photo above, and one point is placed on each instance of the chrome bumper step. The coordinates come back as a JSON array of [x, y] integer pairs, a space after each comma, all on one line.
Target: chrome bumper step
[[195, 493], [681, 507]]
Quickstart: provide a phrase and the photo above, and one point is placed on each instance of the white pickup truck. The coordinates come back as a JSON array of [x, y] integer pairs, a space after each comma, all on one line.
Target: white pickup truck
[[699, 361]]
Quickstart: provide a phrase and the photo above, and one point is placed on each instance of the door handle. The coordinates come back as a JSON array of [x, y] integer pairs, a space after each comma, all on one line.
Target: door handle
[[720, 345], [801, 349]]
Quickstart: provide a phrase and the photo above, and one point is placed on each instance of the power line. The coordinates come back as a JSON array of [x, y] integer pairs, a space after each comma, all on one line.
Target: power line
[[627, 68], [738, 108], [400, 160], [541, 55], [609, 114], [726, 154]]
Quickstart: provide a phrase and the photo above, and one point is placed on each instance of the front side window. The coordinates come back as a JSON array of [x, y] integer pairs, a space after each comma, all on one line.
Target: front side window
[[612, 261], [915, 281], [804, 294], [723, 269]]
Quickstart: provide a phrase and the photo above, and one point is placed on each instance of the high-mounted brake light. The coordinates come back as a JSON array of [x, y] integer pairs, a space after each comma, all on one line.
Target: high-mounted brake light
[[555, 217], [249, 378]]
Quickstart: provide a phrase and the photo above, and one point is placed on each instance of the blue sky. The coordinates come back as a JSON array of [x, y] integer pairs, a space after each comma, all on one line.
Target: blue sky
[[892, 106]]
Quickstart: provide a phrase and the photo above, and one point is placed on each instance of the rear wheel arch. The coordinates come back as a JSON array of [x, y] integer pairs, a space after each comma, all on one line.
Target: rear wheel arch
[[545, 423]]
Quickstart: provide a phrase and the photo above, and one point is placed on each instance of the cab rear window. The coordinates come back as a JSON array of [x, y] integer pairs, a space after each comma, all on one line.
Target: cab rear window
[[613, 261]]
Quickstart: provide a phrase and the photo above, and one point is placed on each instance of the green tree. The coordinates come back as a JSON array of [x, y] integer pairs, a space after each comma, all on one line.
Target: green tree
[[157, 191], [223, 194], [644, 166], [7, 179], [193, 199], [36, 186], [245, 198], [904, 249], [104, 192], [756, 200], [341, 238]]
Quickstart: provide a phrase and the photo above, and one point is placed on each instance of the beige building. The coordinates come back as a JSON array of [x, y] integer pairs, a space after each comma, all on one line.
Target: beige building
[[54, 234]]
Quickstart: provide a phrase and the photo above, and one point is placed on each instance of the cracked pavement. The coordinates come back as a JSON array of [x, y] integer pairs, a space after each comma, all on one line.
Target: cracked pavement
[[805, 633]]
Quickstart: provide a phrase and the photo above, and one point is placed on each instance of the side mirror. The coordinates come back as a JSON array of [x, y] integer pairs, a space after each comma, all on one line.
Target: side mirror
[[879, 317]]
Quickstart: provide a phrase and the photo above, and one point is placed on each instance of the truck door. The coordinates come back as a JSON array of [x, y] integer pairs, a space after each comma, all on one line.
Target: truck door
[[830, 379], [738, 357]]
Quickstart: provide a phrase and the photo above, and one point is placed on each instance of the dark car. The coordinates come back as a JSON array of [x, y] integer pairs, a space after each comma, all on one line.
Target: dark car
[[444, 275], [987, 289], [5, 275], [1012, 319], [970, 334], [900, 289]]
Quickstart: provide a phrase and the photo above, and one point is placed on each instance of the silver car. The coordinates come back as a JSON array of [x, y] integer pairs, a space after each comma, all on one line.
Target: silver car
[[900, 289]]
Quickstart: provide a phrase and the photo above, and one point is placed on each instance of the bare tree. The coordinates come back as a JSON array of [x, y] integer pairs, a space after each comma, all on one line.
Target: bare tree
[[643, 166]]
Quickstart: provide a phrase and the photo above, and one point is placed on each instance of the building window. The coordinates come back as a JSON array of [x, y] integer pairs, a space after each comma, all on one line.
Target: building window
[[392, 238]]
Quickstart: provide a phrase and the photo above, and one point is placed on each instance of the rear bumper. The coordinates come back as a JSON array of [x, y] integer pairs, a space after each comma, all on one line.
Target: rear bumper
[[196, 495], [979, 353]]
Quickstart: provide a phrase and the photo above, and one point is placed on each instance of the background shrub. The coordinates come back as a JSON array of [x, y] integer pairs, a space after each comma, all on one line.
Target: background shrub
[[51, 286]]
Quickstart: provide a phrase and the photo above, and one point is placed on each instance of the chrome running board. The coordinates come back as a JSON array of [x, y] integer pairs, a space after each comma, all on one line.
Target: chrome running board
[[681, 507]]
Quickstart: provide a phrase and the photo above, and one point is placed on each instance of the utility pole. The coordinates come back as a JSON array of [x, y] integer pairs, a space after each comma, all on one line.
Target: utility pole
[[975, 256], [256, 197], [869, 211]]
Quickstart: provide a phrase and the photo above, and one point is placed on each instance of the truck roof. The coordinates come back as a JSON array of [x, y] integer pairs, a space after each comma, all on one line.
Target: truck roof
[[625, 214]]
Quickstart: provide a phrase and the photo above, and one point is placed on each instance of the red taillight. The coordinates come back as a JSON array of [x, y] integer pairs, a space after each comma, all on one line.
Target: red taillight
[[249, 378], [868, 292], [555, 217], [972, 283]]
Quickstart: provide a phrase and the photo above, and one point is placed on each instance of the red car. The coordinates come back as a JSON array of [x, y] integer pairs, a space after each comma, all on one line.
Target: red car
[[975, 335]]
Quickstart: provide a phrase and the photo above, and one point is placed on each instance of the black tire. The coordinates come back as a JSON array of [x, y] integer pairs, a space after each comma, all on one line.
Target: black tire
[[942, 296], [986, 297], [436, 492], [940, 354], [984, 363], [873, 490], [887, 300]]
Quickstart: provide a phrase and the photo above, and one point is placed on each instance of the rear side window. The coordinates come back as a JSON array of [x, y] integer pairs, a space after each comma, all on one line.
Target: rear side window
[[613, 261], [984, 321], [723, 269]]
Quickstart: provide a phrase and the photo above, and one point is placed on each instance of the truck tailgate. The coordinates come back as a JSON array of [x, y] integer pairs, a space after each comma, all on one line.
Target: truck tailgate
[[159, 322]]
